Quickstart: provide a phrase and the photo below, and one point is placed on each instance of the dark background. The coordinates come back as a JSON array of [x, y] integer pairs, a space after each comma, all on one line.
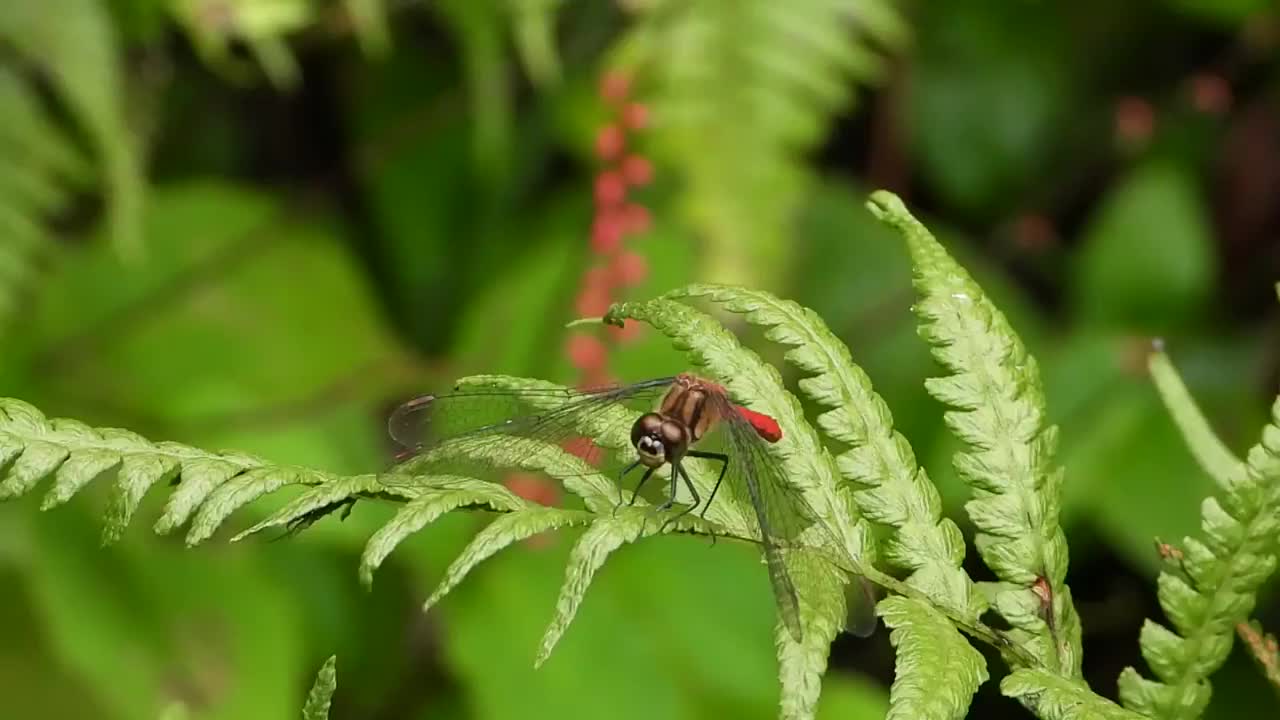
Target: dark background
[[334, 220]]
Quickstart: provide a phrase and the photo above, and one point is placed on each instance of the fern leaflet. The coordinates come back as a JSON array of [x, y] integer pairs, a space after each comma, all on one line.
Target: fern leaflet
[[995, 387], [937, 670], [1053, 697], [318, 700]]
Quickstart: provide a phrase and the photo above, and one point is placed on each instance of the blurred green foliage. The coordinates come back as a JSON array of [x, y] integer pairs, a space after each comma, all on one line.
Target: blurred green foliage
[[348, 203]]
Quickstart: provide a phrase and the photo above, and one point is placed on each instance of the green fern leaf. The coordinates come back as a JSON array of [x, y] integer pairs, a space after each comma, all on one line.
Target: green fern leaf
[[741, 90], [820, 590], [1208, 449], [210, 485], [443, 494], [606, 534], [505, 530], [318, 700], [321, 496], [1053, 697], [995, 387], [1215, 589], [937, 671], [929, 546]]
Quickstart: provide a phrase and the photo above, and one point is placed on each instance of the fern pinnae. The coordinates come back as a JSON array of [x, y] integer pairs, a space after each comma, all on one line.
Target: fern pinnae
[[900, 494], [937, 670], [1208, 449], [995, 387], [321, 694], [1053, 697], [606, 534], [802, 663], [315, 498], [1215, 589], [443, 494], [200, 477], [505, 530], [241, 490]]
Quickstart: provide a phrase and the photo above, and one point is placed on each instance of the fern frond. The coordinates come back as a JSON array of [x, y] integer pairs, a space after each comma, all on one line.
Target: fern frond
[[444, 494], [901, 495], [505, 530], [1215, 591], [606, 534], [936, 671], [801, 665], [1208, 449], [321, 695], [741, 90], [995, 386], [1053, 697], [72, 454], [73, 43]]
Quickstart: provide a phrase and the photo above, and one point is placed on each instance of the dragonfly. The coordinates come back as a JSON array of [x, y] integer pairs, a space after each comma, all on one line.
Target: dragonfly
[[671, 416]]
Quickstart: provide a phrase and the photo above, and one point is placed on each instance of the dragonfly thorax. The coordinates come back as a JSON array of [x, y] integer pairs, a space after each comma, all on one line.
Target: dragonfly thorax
[[659, 439]]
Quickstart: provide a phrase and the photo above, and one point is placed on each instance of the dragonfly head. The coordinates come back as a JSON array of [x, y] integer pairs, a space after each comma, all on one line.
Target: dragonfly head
[[658, 440]]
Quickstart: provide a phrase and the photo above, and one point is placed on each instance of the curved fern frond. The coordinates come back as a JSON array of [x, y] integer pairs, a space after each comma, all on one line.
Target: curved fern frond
[[740, 91], [900, 494], [1215, 589], [1208, 449], [801, 665], [936, 671], [321, 695], [72, 454], [995, 386], [1053, 697]]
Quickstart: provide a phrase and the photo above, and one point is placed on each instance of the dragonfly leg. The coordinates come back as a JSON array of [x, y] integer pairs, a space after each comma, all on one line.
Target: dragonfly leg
[[678, 470], [636, 493], [724, 465], [671, 500], [622, 476]]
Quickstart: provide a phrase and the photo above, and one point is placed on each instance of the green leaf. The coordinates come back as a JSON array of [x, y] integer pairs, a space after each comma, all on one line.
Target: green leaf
[[534, 28], [505, 530], [74, 43], [733, 81], [1214, 590], [1208, 448], [1147, 259], [820, 589], [442, 495], [604, 536], [937, 671], [1053, 697], [318, 700], [995, 386], [929, 546]]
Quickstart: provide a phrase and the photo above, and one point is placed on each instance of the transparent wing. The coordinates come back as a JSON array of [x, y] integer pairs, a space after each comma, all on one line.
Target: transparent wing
[[481, 415], [782, 515]]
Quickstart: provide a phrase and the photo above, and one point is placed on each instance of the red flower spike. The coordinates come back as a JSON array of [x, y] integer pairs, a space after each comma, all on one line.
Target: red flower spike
[[593, 303], [637, 170], [586, 352], [1135, 120], [610, 142], [611, 189], [606, 233], [636, 219], [614, 87], [630, 268], [635, 116], [598, 277]]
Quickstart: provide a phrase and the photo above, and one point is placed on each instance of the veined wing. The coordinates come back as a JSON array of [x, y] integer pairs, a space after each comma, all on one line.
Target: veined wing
[[783, 514], [478, 415]]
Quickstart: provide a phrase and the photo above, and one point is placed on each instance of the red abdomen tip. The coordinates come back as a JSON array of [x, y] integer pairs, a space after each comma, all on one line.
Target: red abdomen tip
[[765, 426]]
